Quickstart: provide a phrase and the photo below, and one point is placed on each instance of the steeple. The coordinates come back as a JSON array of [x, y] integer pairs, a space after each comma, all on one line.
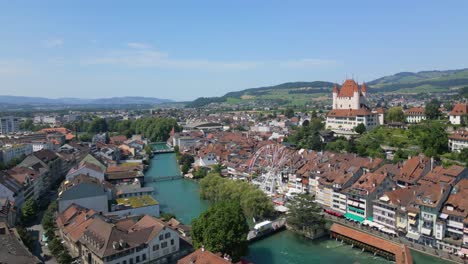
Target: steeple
[[335, 88], [364, 88]]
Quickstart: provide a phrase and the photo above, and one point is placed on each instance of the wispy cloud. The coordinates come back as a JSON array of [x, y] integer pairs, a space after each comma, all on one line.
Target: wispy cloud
[[142, 55], [53, 42], [138, 45], [308, 63]]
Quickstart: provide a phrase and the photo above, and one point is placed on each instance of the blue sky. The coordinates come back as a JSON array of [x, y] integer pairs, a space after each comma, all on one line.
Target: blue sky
[[185, 49]]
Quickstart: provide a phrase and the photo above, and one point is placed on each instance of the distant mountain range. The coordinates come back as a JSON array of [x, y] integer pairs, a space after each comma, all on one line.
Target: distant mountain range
[[127, 100], [300, 92]]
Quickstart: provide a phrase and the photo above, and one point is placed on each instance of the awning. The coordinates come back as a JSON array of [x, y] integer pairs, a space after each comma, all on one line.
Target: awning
[[412, 222], [464, 251], [412, 214], [370, 218], [443, 216], [401, 225], [354, 217], [413, 236], [426, 231]]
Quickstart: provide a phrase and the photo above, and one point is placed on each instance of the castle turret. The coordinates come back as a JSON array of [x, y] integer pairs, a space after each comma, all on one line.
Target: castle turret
[[335, 95], [356, 97], [364, 89]]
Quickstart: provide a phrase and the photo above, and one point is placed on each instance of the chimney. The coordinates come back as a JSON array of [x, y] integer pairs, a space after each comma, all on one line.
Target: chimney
[[203, 248], [432, 163]]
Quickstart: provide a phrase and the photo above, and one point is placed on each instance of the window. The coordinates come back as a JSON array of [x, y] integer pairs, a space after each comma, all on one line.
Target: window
[[155, 247], [131, 261], [161, 237], [124, 262], [143, 257], [137, 259], [167, 235], [172, 242], [163, 244]]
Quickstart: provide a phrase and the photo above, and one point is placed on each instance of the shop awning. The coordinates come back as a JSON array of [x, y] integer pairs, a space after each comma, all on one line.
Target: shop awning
[[412, 214], [464, 251], [426, 231], [443, 216], [412, 222], [413, 236], [354, 217], [401, 225]]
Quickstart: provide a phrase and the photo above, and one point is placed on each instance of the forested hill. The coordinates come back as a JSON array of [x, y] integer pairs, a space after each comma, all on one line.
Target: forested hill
[[291, 92], [418, 82]]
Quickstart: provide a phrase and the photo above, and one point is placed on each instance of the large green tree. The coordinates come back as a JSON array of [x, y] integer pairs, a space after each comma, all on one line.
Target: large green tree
[[308, 136], [222, 228], [431, 137], [432, 109], [360, 129], [395, 114], [29, 210], [254, 202], [304, 215]]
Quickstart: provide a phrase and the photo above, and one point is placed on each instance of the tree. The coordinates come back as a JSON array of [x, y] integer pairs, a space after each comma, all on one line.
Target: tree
[[431, 137], [29, 210], [432, 109], [98, 125], [308, 136], [304, 215], [218, 168], [360, 129], [222, 228], [64, 257], [200, 172], [254, 203], [289, 112], [86, 137], [395, 114], [167, 216]]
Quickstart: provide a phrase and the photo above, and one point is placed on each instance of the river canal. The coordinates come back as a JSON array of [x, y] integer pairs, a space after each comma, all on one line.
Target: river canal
[[181, 198]]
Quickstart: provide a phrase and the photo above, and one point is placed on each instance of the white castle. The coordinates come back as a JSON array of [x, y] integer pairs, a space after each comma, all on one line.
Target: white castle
[[350, 109]]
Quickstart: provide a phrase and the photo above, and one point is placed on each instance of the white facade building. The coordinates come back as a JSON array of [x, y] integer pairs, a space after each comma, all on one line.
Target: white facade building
[[415, 115], [9, 124], [9, 152], [350, 109]]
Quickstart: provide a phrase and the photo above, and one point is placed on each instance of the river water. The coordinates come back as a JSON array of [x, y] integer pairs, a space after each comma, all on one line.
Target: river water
[[181, 198]]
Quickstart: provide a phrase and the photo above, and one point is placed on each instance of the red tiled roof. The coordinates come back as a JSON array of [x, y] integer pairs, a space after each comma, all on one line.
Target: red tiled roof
[[348, 88], [202, 257], [459, 109], [459, 135], [415, 111]]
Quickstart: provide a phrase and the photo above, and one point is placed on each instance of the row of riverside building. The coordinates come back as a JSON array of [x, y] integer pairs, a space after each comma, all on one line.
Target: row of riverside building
[[415, 199]]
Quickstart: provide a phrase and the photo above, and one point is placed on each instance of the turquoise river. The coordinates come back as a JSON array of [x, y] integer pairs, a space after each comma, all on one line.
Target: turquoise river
[[181, 198]]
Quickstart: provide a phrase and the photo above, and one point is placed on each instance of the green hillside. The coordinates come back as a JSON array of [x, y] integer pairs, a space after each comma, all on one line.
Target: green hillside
[[302, 93], [419, 82]]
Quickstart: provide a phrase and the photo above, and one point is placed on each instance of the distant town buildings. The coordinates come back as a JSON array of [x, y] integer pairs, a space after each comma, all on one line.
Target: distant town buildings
[[9, 124]]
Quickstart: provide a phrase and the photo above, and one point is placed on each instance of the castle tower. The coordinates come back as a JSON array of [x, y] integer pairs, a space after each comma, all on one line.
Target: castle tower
[[356, 97], [364, 89], [335, 95]]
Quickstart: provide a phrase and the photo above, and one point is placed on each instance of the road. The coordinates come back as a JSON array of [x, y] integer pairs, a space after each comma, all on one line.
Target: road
[[40, 249]]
